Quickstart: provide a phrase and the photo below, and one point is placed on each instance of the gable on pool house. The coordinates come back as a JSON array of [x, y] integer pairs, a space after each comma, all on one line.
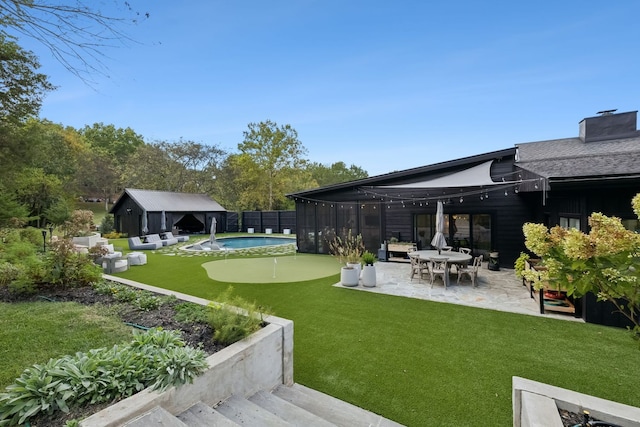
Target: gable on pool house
[[139, 212], [488, 197]]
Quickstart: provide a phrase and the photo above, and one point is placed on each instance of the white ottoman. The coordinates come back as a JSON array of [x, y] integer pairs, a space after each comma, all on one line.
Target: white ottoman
[[137, 258]]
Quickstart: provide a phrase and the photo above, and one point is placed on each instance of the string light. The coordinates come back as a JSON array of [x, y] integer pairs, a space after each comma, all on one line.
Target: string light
[[424, 199]]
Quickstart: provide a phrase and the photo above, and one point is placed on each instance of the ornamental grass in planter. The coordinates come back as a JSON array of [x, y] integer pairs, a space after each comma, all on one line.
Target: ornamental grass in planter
[[348, 249]]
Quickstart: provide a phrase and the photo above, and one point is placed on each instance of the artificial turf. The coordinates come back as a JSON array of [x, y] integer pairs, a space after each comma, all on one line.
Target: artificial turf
[[421, 362]]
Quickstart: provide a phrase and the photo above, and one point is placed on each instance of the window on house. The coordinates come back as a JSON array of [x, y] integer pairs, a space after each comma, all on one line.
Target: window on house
[[567, 222], [631, 224]]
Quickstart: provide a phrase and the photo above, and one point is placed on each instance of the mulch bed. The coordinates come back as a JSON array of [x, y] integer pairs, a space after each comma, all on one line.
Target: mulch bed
[[195, 335]]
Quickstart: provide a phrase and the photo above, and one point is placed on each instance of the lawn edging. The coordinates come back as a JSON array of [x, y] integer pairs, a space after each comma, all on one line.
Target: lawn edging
[[261, 361], [537, 404]]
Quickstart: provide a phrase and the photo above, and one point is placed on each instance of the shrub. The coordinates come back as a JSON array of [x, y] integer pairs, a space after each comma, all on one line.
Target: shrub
[[106, 226], [80, 223], [233, 318], [113, 235], [67, 267], [520, 264], [8, 273], [31, 235], [141, 299], [604, 262], [191, 313], [16, 252]]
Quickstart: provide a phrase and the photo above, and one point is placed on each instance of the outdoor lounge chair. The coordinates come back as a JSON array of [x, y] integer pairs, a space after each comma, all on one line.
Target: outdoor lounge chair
[[113, 262], [167, 235], [135, 244]]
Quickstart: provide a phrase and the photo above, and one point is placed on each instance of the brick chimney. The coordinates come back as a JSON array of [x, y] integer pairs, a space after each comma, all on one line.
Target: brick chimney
[[608, 126]]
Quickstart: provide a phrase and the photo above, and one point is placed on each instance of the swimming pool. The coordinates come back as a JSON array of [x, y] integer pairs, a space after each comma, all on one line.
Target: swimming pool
[[225, 243]]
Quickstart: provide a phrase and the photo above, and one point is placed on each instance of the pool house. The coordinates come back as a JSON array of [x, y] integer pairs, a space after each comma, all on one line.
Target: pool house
[[139, 212]]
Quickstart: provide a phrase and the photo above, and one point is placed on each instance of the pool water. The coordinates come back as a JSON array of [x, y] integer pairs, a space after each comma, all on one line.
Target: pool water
[[225, 243], [252, 242]]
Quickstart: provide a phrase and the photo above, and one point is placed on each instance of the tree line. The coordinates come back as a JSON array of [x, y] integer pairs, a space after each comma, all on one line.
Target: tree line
[[46, 167]]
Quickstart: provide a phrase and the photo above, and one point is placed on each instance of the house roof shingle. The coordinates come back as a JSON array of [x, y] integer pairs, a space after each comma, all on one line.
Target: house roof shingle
[[156, 201], [571, 157]]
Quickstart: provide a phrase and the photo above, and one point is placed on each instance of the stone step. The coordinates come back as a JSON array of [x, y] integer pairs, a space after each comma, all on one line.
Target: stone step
[[155, 417], [331, 409], [241, 411], [287, 411], [201, 415]]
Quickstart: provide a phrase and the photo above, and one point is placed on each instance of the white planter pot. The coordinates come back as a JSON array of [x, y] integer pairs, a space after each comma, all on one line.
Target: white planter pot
[[88, 241], [369, 276], [356, 266], [349, 276]]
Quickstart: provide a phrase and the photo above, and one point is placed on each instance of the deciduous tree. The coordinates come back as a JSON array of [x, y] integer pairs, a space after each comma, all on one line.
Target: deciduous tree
[[271, 154], [22, 87], [335, 173]]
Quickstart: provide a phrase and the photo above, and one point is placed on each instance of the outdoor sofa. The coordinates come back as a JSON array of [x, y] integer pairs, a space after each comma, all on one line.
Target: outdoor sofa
[[163, 242], [169, 235], [135, 244]]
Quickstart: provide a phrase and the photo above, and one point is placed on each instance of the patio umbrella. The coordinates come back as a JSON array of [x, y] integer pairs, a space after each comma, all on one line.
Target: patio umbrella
[[212, 237], [439, 241], [145, 228], [163, 222]]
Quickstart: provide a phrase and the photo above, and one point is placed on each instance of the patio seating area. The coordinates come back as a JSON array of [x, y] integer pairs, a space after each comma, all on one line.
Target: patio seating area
[[495, 290]]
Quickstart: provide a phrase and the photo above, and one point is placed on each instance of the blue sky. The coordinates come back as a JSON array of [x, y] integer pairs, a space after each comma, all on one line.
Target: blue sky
[[385, 85]]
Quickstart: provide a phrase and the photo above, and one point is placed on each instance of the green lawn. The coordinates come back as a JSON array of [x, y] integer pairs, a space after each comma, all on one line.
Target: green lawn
[[420, 362], [33, 333]]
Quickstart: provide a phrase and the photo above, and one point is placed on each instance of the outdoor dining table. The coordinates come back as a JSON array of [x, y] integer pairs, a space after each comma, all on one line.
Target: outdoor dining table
[[452, 257]]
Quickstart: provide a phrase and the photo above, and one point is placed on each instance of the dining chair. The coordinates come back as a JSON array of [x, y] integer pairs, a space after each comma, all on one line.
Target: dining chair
[[418, 267], [438, 267], [465, 251], [471, 271], [447, 248]]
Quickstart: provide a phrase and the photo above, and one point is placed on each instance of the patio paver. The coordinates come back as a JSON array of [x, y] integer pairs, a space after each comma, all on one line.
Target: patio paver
[[496, 290]]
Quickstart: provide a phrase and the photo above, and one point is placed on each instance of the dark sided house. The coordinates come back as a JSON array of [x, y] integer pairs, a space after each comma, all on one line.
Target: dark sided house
[[487, 198], [185, 213]]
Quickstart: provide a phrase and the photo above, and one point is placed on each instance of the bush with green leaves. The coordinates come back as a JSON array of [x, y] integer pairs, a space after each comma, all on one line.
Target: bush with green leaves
[[79, 224], [107, 225], [141, 299], [233, 318], [31, 235], [188, 312], [21, 265], [67, 267], [158, 359]]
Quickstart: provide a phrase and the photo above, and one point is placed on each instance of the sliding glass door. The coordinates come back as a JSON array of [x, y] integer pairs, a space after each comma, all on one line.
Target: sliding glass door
[[461, 230]]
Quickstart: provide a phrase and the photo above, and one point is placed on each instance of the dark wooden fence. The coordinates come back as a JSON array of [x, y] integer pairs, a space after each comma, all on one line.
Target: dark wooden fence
[[233, 222], [261, 221]]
